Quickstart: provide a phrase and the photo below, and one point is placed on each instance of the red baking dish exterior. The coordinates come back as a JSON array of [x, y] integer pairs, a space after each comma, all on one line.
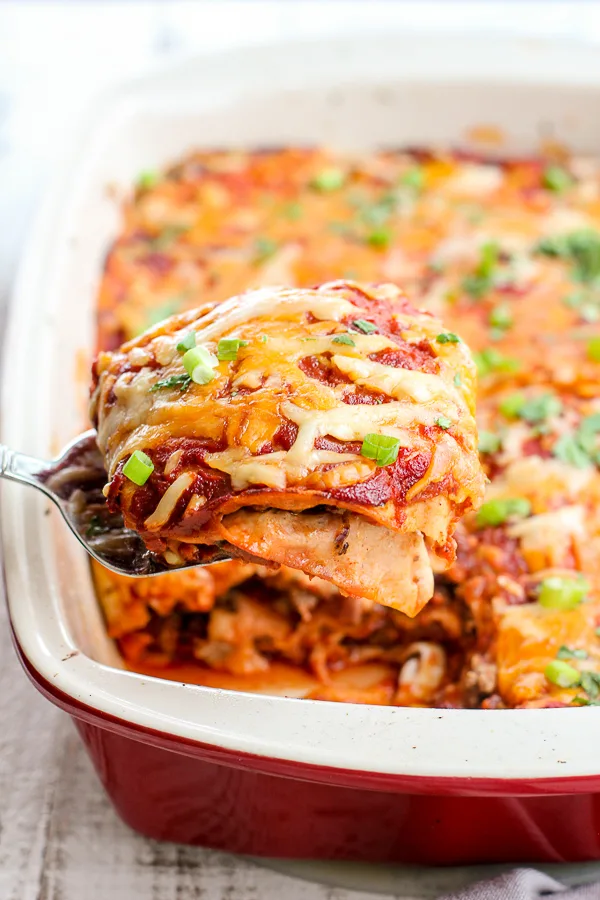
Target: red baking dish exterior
[[175, 790]]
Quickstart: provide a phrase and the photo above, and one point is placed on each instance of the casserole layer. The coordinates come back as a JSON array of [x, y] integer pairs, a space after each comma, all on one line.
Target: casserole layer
[[506, 253], [268, 451]]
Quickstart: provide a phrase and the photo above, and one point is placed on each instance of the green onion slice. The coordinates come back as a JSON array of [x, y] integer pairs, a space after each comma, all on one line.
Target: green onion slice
[[556, 179], [187, 342], [593, 349], [331, 179], [562, 674], [138, 468], [381, 447], [496, 512], [562, 593], [448, 338], [199, 364], [227, 348], [565, 652], [489, 442]]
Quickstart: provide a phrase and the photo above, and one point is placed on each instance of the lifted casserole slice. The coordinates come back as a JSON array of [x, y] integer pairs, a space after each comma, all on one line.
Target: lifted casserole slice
[[330, 430]]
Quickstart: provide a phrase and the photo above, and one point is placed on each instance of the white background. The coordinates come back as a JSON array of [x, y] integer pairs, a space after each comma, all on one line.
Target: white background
[[59, 839]]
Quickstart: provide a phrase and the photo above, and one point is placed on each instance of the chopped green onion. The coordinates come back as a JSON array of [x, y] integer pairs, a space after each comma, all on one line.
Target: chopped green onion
[[444, 422], [593, 349], [147, 180], [501, 317], [580, 248], [538, 409], [583, 701], [590, 682], [199, 364], [489, 442], [381, 447], [364, 326], [482, 280], [457, 380], [557, 592], [327, 180], [569, 449], [263, 338], [187, 342], [380, 238], [138, 468], [496, 512], [413, 178], [264, 249], [227, 348], [181, 381], [556, 179], [512, 405], [562, 674], [448, 338], [491, 360], [590, 425], [565, 652], [343, 339]]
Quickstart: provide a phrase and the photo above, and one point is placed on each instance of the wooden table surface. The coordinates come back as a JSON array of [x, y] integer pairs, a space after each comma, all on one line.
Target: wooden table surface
[[59, 837]]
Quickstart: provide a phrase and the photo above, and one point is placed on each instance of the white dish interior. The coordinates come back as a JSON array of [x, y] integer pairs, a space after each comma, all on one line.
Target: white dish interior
[[353, 94]]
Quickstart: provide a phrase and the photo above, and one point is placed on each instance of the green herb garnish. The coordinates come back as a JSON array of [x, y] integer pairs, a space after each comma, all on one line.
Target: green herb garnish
[[227, 348], [491, 360], [343, 339], [496, 512], [331, 179], [558, 592], [580, 448], [413, 178], [565, 652], [489, 442], [593, 349], [501, 317], [364, 326], [380, 238], [457, 380], [147, 180], [579, 248], [557, 179], [381, 447], [199, 363], [187, 342], [138, 468], [444, 422], [482, 279], [562, 674], [181, 381], [448, 338]]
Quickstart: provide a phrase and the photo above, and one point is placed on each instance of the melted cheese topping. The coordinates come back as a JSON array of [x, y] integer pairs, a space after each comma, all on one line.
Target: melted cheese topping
[[295, 349]]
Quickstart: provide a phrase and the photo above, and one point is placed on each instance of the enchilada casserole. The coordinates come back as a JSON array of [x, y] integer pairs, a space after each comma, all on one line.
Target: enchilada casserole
[[507, 254], [331, 430]]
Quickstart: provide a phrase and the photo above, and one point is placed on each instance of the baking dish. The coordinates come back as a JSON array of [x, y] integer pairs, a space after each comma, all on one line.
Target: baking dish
[[251, 773]]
